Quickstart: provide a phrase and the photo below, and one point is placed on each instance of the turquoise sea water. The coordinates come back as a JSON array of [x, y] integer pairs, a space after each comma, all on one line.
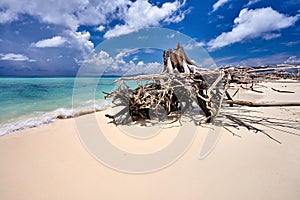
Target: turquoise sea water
[[30, 102]]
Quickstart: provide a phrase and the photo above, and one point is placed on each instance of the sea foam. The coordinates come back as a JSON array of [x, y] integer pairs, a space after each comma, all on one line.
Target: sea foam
[[49, 117]]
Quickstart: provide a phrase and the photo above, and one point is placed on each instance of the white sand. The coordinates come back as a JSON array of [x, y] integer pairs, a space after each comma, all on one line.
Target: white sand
[[51, 163]]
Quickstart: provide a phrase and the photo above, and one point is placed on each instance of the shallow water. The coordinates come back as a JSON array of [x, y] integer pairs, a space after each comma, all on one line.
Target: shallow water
[[29, 102]]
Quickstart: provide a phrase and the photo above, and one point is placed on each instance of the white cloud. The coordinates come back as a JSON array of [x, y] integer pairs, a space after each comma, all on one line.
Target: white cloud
[[220, 17], [258, 50], [145, 68], [7, 16], [251, 2], [81, 40], [292, 43], [78, 40], [171, 36], [15, 57], [125, 53], [71, 13], [145, 37], [55, 41], [269, 36], [193, 44], [223, 60], [101, 58], [219, 4], [293, 60], [175, 18], [98, 62], [257, 61], [142, 14], [95, 64], [253, 24], [100, 28]]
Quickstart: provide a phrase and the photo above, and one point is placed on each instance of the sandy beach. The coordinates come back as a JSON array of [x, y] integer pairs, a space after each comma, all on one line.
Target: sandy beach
[[50, 162], [149, 100]]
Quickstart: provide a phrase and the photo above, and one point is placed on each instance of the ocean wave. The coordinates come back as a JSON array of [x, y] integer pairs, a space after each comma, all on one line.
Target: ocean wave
[[49, 117]]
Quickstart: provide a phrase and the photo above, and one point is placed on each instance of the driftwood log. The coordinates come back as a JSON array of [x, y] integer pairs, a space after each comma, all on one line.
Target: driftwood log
[[180, 88], [183, 87], [264, 104], [164, 95]]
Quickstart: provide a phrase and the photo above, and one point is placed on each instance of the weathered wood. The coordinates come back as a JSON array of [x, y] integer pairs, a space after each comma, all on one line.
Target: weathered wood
[[166, 75], [258, 104], [265, 69], [174, 93], [282, 91], [228, 97], [183, 85]]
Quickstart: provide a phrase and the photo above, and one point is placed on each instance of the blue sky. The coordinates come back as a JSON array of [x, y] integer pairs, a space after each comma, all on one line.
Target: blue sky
[[54, 38]]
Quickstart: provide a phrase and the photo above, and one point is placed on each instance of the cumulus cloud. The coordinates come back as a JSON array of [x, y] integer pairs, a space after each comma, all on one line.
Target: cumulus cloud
[[15, 57], [142, 14], [7, 16], [102, 61], [71, 13], [81, 41], [145, 68], [77, 40], [99, 59], [55, 41], [125, 15], [219, 4], [250, 24]]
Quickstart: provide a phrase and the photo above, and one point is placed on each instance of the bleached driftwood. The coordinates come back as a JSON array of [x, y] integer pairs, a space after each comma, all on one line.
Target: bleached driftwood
[[182, 85], [172, 94], [258, 104]]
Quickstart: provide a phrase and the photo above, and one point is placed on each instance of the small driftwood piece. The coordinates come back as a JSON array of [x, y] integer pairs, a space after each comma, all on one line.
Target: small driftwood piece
[[258, 104], [282, 91]]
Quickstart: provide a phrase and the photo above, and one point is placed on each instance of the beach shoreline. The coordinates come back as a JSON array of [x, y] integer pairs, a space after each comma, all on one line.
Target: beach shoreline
[[51, 162]]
